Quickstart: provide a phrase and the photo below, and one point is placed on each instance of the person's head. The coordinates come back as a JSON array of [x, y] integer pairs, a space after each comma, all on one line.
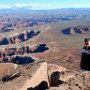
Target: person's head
[[87, 41]]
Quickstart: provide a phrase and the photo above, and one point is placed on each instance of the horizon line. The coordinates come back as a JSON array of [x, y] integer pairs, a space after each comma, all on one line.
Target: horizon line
[[44, 8]]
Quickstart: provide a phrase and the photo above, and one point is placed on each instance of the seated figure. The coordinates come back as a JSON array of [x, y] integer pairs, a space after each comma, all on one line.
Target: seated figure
[[85, 59]]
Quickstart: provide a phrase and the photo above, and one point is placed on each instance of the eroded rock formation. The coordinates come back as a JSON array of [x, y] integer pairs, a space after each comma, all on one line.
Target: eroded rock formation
[[6, 54], [42, 76], [18, 37], [27, 77], [74, 30]]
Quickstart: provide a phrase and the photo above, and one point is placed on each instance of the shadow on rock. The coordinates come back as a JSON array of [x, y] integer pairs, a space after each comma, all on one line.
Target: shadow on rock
[[66, 31], [4, 41], [22, 60], [32, 33], [55, 79], [42, 86], [40, 48]]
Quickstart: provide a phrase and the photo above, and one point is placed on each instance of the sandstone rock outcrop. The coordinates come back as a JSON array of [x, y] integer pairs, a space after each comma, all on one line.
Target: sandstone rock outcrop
[[29, 77], [17, 38], [72, 30], [37, 76], [76, 30], [6, 54], [79, 81], [34, 76]]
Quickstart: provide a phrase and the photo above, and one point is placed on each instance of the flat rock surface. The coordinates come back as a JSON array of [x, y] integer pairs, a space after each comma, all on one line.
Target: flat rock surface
[[80, 81], [15, 79]]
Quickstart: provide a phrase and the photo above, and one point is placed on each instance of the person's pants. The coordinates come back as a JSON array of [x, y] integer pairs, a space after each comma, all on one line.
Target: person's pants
[[85, 61]]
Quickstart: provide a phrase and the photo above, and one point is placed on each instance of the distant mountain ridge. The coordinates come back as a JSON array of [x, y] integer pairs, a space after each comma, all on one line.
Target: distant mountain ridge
[[31, 8]]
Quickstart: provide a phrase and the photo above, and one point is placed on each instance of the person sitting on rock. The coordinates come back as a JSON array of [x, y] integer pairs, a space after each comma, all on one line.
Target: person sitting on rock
[[85, 58]]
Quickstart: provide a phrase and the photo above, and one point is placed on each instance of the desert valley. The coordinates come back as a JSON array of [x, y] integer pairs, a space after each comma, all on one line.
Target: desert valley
[[41, 49]]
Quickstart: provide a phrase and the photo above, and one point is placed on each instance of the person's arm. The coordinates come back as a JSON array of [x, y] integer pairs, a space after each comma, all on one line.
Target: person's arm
[[85, 50]]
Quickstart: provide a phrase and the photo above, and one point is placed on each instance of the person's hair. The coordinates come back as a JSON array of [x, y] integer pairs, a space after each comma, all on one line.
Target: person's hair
[[86, 39]]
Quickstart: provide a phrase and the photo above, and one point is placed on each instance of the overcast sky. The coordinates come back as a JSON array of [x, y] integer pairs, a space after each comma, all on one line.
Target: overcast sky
[[45, 4]]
